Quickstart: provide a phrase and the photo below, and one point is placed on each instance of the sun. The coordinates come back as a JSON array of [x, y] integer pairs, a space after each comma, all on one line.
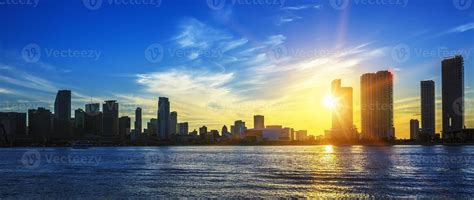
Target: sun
[[329, 102]]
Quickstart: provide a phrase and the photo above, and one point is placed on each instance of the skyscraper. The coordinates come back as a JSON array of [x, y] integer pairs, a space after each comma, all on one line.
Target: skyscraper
[[163, 119], [110, 118], [138, 120], [62, 115], [124, 127], [414, 129], [183, 128], [428, 107], [453, 94], [203, 132], [258, 121], [342, 114], [40, 124], [173, 123], [240, 128], [14, 123], [377, 106], [79, 123]]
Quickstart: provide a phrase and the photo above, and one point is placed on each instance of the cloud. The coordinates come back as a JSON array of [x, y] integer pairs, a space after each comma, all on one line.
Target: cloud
[[289, 15], [458, 29]]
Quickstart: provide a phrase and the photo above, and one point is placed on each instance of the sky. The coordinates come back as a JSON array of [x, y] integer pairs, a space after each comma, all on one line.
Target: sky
[[224, 60]]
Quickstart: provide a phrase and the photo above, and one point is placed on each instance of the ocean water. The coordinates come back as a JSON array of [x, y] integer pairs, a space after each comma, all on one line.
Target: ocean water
[[237, 172]]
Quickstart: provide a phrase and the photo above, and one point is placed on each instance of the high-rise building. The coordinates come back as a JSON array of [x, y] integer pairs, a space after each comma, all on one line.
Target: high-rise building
[[124, 127], [414, 129], [258, 121], [138, 120], [240, 129], [79, 123], [342, 114], [40, 124], [173, 123], [183, 128], [203, 132], [62, 115], [377, 106], [163, 118], [14, 123], [428, 108], [110, 118], [453, 94], [152, 126]]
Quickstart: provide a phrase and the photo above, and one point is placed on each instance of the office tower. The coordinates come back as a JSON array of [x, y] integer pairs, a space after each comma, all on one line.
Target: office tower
[[377, 106], [40, 124], [203, 132], [163, 118], [301, 135], [14, 123], [453, 94], [224, 131], [93, 108], [173, 123], [232, 129], [240, 128], [152, 126], [258, 121], [110, 117], [342, 114], [79, 123], [183, 128], [93, 120], [138, 120], [124, 127], [62, 115], [414, 129], [428, 108]]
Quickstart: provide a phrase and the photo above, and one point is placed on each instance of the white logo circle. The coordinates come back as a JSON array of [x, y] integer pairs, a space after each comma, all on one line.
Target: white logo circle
[[31, 53], [216, 4], [401, 53], [462, 4], [31, 159], [277, 53], [339, 4], [154, 53], [92, 4]]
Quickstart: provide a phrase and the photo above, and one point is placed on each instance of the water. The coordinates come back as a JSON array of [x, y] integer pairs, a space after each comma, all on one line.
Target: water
[[238, 172]]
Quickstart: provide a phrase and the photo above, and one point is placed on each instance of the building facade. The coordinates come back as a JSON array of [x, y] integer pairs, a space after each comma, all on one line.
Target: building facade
[[428, 108], [452, 94]]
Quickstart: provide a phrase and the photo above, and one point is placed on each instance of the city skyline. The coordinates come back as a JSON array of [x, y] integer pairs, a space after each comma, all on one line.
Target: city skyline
[[216, 70]]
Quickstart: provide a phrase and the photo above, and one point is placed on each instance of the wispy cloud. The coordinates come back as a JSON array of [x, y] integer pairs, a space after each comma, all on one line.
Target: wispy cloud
[[458, 29], [289, 13]]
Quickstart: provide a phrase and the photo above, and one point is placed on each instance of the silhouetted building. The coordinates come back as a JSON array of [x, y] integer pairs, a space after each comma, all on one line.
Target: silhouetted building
[[342, 114], [138, 120], [203, 132], [14, 123], [40, 124], [414, 129], [173, 123], [240, 128], [93, 120], [428, 108], [79, 123], [377, 106], [225, 132], [258, 121], [110, 120], [163, 118], [452, 94], [183, 128], [62, 115], [301, 135], [152, 126], [124, 127]]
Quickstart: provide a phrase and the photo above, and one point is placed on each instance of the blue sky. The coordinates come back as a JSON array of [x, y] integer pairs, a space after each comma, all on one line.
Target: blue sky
[[231, 61]]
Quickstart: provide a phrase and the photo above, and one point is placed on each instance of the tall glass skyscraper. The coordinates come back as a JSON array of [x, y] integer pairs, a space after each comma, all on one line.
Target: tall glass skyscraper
[[453, 94], [163, 119], [428, 108]]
